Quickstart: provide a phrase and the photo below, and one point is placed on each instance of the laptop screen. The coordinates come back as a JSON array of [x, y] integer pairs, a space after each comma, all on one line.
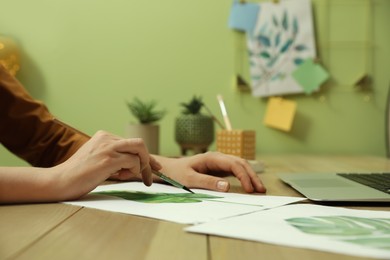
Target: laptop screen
[[387, 124]]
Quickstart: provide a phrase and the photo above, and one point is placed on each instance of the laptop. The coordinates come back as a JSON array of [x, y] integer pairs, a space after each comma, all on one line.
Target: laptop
[[341, 187]]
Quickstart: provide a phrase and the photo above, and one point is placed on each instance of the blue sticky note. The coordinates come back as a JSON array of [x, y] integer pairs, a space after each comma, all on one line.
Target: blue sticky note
[[310, 76], [243, 16]]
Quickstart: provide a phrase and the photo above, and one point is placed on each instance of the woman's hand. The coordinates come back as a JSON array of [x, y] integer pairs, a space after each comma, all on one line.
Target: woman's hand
[[197, 171], [105, 156]]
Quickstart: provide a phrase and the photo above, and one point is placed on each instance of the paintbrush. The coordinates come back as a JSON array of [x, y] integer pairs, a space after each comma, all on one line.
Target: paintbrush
[[170, 181]]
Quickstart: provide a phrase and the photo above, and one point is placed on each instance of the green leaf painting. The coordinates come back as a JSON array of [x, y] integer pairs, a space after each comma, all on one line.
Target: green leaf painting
[[275, 21], [285, 20], [295, 26], [158, 197], [298, 61], [279, 45], [369, 232], [300, 47], [277, 39], [287, 45], [264, 40], [265, 54]]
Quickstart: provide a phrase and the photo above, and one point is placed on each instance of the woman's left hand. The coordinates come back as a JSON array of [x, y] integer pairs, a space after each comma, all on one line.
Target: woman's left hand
[[197, 171]]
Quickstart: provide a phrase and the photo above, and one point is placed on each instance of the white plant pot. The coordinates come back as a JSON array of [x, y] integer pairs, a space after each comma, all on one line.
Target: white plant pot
[[149, 133]]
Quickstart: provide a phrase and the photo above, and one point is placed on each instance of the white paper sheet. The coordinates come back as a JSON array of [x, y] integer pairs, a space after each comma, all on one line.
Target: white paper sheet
[[339, 230], [231, 204]]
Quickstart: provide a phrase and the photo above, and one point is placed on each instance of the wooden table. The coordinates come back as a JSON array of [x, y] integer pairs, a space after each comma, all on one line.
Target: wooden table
[[59, 231]]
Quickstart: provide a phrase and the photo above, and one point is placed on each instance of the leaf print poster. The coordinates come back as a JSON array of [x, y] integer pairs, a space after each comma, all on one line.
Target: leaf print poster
[[364, 233], [283, 39]]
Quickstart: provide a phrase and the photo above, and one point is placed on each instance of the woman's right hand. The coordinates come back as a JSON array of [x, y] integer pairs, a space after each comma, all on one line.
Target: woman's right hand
[[102, 157]]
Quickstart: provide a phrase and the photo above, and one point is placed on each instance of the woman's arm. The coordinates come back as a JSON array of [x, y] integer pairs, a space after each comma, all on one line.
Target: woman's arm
[[29, 130], [101, 157], [27, 184]]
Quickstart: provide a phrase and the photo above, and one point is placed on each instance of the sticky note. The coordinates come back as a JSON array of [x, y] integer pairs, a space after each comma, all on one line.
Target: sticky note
[[243, 16], [280, 113], [310, 75]]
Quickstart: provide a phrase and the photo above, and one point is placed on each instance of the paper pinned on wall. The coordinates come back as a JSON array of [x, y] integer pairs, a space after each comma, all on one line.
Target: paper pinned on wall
[[310, 75], [280, 113], [283, 39], [243, 16]]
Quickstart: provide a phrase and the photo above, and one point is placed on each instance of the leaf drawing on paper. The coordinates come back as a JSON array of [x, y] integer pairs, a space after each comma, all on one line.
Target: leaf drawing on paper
[[277, 46], [158, 197], [369, 232]]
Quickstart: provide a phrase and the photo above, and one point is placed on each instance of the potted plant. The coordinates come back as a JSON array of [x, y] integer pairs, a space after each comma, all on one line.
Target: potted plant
[[146, 128], [193, 130]]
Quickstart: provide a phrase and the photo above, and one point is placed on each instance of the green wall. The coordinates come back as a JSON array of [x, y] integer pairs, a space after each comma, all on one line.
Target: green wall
[[84, 58]]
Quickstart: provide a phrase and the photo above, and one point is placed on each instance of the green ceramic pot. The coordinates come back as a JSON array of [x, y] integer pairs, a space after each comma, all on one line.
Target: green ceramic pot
[[194, 132]]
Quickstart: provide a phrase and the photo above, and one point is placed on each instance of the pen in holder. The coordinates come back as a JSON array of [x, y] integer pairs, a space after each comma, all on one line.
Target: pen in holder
[[241, 143]]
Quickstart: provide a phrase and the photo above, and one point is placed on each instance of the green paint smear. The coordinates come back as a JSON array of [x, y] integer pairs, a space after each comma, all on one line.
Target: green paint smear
[[159, 197], [369, 232]]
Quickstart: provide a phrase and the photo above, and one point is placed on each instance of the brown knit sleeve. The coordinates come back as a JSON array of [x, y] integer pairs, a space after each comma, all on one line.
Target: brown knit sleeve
[[29, 130]]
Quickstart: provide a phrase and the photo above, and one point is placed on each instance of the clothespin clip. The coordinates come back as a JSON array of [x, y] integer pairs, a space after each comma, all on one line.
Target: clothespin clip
[[241, 84], [364, 83]]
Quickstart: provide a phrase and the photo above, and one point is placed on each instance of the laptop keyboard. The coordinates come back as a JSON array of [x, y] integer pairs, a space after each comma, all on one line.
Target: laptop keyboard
[[379, 181]]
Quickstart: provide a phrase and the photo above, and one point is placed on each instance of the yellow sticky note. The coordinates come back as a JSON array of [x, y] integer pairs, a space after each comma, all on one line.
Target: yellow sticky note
[[280, 113]]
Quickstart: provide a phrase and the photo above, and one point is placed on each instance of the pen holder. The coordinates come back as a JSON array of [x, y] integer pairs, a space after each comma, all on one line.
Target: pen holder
[[241, 143]]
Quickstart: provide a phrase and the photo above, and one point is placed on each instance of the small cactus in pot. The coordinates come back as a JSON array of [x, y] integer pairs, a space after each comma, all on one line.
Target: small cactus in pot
[[193, 130]]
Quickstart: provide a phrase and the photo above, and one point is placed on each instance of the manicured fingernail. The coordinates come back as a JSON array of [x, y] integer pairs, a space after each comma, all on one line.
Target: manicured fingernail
[[222, 185]]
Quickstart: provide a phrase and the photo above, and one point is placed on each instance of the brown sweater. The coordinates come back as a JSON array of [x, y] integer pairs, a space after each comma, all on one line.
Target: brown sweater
[[29, 130]]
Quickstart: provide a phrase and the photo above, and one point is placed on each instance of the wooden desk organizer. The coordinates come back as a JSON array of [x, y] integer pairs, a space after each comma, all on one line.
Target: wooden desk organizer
[[241, 143]]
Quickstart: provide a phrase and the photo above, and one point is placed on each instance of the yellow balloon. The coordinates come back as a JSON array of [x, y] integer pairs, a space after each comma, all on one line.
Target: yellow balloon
[[9, 54]]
